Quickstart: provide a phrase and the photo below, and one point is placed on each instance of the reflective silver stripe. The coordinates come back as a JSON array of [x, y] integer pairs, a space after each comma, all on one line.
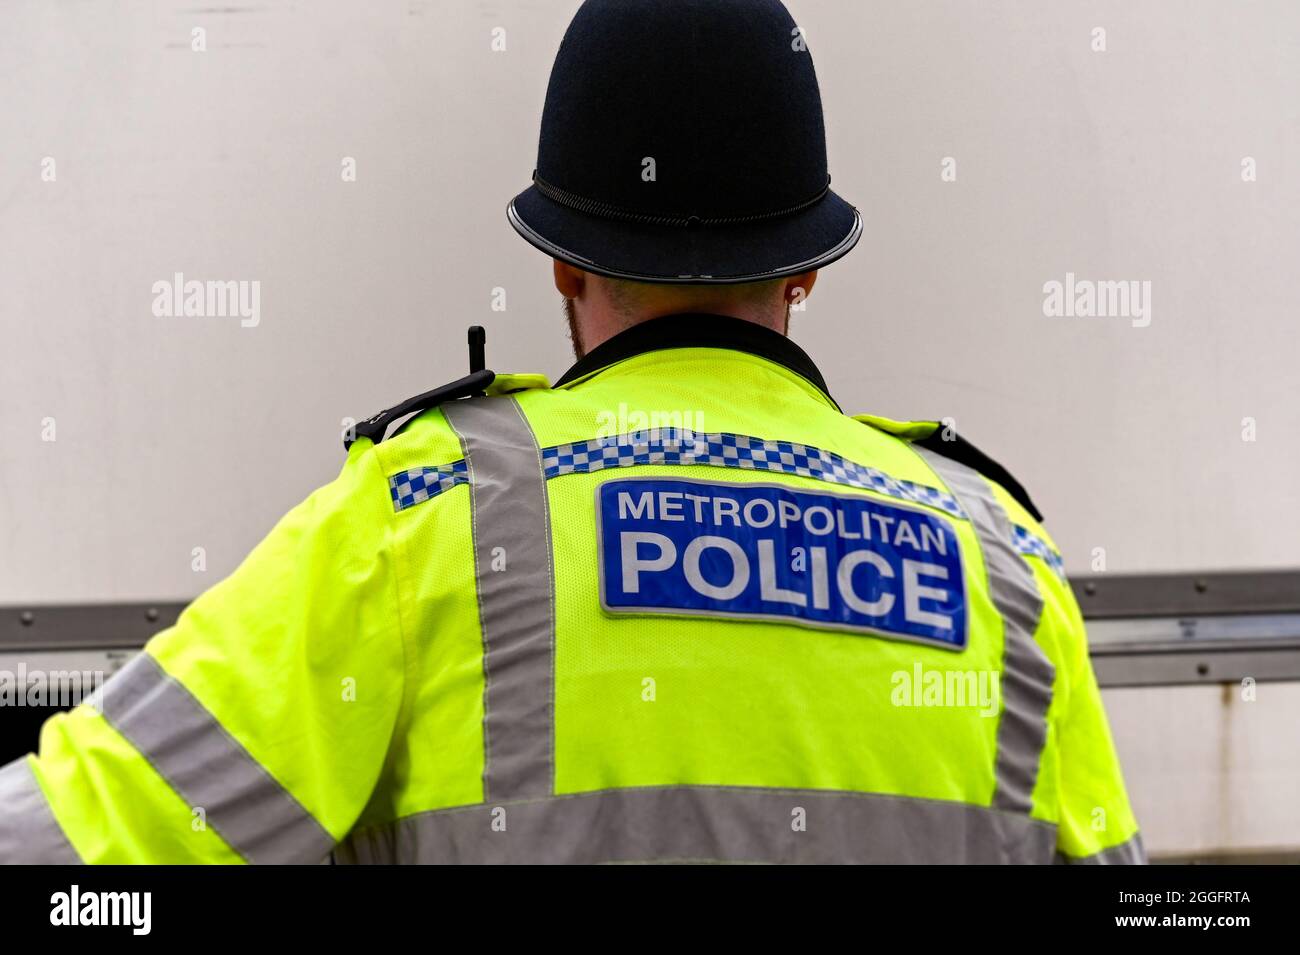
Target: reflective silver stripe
[[1130, 852], [1027, 674], [254, 814], [516, 594], [710, 824], [29, 833]]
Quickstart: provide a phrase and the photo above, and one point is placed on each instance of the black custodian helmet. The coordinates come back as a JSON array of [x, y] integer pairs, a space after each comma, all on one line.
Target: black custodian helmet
[[682, 141]]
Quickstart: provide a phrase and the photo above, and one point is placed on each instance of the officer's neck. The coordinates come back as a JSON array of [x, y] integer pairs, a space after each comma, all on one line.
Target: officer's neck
[[591, 328]]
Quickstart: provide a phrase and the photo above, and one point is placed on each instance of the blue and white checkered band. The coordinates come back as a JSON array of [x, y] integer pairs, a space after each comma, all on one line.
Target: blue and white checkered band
[[670, 446], [1027, 542], [419, 484]]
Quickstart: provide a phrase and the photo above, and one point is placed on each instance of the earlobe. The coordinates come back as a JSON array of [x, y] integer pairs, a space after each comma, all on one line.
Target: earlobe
[[568, 280], [799, 287]]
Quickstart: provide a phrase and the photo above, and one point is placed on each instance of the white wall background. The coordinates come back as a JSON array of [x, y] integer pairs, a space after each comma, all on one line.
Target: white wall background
[[1208, 772], [173, 434], [177, 433]]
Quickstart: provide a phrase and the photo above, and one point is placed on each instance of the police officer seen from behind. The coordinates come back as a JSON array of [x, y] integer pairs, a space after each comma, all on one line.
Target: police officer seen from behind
[[676, 606]]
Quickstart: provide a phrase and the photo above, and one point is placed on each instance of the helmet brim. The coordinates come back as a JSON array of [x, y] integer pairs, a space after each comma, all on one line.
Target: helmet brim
[[701, 255]]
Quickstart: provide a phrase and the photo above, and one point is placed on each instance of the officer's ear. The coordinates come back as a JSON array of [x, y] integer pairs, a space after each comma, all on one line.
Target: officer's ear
[[569, 281], [799, 287]]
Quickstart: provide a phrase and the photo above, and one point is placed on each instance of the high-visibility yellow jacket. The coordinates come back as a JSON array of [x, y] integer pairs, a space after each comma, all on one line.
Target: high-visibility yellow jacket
[[678, 607]]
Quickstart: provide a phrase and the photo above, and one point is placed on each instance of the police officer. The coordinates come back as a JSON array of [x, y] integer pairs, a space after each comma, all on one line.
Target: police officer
[[678, 606]]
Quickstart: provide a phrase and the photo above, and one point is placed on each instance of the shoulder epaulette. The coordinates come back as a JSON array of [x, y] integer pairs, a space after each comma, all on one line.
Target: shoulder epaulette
[[934, 437], [956, 448], [475, 383], [376, 426]]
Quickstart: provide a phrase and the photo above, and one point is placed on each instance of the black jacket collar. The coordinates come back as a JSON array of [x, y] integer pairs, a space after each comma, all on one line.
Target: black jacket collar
[[698, 330]]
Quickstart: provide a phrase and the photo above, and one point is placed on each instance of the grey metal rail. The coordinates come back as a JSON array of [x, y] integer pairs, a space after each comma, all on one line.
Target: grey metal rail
[[1144, 630]]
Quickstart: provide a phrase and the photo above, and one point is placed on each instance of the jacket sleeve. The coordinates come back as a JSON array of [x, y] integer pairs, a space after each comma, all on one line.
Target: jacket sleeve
[[1096, 821], [253, 730], [1082, 779]]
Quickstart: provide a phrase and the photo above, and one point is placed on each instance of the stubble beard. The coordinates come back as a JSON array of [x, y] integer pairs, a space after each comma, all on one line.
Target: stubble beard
[[575, 337]]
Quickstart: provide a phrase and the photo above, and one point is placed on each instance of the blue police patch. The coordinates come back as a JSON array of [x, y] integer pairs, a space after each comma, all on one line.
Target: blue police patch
[[815, 559]]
